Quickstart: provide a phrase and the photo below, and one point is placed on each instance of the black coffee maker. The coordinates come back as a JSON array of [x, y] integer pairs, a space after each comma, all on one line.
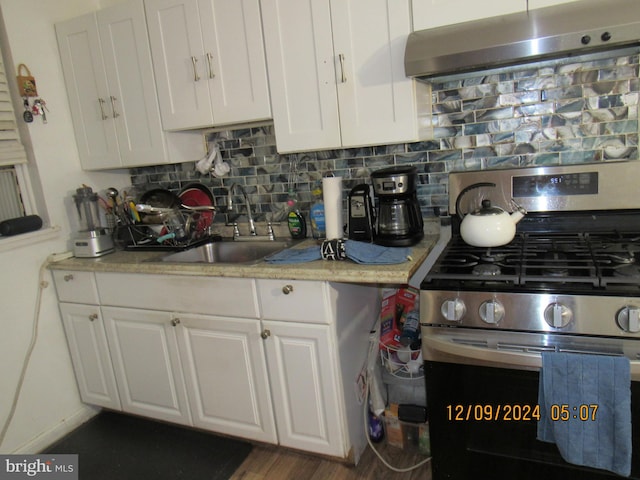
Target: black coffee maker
[[399, 220]]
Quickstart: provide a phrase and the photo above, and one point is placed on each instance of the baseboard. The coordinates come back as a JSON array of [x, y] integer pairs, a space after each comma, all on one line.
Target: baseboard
[[48, 437]]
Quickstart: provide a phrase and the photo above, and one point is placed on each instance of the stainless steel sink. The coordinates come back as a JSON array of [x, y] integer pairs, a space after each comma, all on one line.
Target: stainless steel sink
[[229, 252]]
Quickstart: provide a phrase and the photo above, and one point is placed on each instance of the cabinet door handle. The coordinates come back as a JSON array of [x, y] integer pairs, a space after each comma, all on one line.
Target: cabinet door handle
[[343, 77], [194, 60], [101, 102], [210, 65], [68, 277], [175, 322], [93, 316], [287, 289], [266, 333], [113, 107]]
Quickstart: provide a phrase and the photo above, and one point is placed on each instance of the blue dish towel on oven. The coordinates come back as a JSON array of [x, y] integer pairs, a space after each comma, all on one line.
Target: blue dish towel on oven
[[585, 408]]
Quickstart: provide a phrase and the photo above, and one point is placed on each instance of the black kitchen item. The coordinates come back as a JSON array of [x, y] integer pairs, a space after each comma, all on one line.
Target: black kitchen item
[[361, 217], [568, 282], [158, 198], [398, 219], [15, 226], [114, 445]]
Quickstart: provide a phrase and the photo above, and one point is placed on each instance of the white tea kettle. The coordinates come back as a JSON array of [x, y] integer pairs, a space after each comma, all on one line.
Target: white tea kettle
[[488, 226]]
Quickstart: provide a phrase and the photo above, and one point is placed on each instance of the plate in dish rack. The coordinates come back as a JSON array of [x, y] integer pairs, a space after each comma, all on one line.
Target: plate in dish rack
[[197, 195]]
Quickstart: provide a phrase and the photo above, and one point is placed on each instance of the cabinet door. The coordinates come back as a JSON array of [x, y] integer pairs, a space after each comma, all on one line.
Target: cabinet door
[[235, 61], [145, 357], [436, 13], [305, 387], [302, 75], [179, 63], [89, 351], [226, 376], [377, 101], [132, 101], [86, 84]]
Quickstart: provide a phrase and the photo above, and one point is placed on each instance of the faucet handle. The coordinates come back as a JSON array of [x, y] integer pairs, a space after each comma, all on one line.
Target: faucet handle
[[272, 236], [236, 230]]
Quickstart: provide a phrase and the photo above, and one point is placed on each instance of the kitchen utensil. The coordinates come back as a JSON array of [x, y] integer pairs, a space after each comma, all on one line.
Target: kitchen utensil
[[198, 198], [488, 226], [92, 239], [163, 201], [399, 219], [361, 218]]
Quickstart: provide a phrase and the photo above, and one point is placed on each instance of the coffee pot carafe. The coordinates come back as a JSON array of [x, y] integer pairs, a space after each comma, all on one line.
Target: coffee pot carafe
[[399, 219]]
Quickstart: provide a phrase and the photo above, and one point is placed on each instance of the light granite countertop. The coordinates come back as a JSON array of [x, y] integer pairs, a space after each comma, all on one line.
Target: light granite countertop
[[347, 271]]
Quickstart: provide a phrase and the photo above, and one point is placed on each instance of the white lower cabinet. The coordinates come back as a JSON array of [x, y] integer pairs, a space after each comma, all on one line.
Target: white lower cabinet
[[226, 376], [89, 351], [144, 352], [304, 379], [277, 362]]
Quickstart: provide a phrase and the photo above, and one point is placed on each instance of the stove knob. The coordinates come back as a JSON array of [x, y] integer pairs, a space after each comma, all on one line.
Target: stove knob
[[453, 309], [491, 312], [558, 315], [628, 319]]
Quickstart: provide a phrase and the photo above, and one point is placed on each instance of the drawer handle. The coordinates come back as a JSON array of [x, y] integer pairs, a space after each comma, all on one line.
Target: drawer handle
[[266, 333], [114, 113], [101, 102], [196, 77], [68, 278], [209, 63], [175, 322], [343, 77], [93, 316], [287, 289]]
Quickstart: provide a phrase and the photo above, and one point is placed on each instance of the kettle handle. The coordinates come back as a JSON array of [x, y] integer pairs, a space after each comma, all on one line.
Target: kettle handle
[[466, 189]]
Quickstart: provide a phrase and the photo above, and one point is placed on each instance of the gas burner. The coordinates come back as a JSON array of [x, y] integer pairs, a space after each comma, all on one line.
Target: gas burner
[[628, 270], [555, 264], [492, 257], [486, 270]]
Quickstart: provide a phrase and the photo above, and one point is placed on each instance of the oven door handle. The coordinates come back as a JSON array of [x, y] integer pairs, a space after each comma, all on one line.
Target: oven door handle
[[442, 348]]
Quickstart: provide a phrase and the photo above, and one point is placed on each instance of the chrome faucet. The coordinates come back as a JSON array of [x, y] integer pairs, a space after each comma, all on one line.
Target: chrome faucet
[[252, 225]]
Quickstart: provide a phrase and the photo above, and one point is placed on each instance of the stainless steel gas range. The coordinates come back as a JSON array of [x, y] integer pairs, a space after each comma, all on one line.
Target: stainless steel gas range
[[569, 281]]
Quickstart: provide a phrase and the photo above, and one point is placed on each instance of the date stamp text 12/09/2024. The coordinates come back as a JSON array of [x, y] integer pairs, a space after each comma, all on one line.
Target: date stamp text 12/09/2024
[[519, 412]]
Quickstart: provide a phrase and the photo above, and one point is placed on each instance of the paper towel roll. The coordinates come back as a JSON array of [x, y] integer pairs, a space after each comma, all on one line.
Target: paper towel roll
[[332, 197]]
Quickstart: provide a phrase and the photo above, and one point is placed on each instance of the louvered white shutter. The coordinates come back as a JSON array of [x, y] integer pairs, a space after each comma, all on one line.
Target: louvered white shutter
[[11, 148]]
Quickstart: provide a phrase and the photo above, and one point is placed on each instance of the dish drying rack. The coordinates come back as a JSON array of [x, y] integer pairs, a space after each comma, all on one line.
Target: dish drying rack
[[173, 229], [402, 362]]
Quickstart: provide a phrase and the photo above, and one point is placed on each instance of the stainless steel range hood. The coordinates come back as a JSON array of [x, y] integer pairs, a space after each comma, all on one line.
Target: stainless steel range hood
[[564, 30]]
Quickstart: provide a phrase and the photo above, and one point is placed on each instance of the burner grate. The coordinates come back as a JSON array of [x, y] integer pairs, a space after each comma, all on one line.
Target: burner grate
[[544, 261]]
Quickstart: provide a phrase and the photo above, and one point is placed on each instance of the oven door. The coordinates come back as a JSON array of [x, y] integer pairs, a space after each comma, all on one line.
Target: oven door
[[465, 371]]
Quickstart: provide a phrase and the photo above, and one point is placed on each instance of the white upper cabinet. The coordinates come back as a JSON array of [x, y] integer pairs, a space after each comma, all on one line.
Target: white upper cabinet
[[336, 73], [436, 13], [112, 94], [209, 62], [109, 77]]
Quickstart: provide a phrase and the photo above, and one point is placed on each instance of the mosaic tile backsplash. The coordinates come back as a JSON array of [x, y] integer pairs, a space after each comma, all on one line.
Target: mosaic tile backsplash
[[580, 110]]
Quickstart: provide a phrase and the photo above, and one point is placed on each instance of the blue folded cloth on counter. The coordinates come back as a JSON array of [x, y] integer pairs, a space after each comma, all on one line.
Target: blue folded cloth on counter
[[295, 255], [369, 253], [585, 409], [359, 252]]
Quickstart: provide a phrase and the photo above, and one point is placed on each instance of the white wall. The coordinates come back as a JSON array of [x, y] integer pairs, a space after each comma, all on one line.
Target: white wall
[[49, 404]]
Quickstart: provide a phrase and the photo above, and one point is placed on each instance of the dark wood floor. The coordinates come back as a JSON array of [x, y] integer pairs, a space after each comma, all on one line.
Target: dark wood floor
[[268, 463]]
